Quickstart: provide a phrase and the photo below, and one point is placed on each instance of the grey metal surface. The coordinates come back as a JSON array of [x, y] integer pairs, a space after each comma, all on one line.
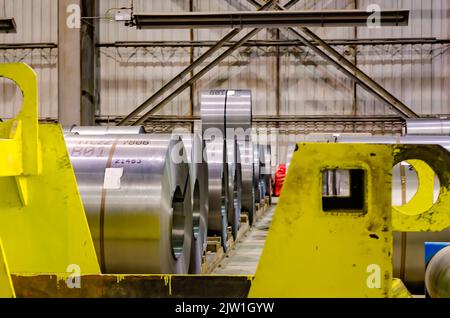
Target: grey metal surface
[[137, 201], [238, 114], [227, 114], [234, 186], [198, 170], [428, 127], [107, 130], [216, 152], [212, 109], [437, 275], [248, 189]]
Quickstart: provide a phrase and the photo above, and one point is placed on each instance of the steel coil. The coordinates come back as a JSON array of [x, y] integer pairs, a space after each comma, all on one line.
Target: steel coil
[[248, 189], [105, 130], [216, 152], [437, 275], [234, 186], [230, 113], [428, 127], [198, 169], [212, 109], [256, 173], [238, 123], [137, 201]]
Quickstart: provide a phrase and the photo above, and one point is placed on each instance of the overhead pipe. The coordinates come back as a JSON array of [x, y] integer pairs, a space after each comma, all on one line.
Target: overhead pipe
[[267, 19]]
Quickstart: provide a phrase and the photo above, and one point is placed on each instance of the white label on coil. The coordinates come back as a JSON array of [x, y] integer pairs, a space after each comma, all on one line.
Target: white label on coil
[[112, 178]]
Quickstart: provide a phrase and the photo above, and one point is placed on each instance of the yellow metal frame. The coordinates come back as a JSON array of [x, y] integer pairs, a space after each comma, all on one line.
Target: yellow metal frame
[[420, 214], [312, 253], [42, 221], [6, 285]]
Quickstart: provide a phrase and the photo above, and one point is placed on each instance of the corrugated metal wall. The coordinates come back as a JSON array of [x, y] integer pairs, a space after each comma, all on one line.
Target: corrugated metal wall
[[37, 22], [416, 74]]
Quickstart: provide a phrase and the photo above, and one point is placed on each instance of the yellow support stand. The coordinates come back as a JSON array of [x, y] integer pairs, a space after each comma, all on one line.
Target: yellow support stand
[[42, 221], [6, 286], [314, 249]]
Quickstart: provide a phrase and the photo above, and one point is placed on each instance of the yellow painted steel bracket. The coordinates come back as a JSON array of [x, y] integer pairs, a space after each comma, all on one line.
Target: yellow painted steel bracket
[[422, 200], [42, 221], [420, 214], [6, 286], [310, 252]]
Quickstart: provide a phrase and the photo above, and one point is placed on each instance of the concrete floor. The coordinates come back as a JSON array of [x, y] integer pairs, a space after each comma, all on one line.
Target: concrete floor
[[244, 257]]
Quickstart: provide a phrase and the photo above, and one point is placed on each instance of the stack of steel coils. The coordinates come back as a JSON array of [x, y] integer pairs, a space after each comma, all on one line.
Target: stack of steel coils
[[137, 200], [238, 117], [226, 117]]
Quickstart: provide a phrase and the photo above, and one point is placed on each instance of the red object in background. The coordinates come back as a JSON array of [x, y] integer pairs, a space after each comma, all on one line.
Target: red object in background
[[280, 173]]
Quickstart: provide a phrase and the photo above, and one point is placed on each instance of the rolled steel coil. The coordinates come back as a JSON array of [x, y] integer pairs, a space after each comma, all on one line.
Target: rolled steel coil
[[216, 152], [230, 113], [437, 275], [137, 201], [428, 127], [105, 130], [212, 109], [198, 170], [238, 115], [234, 187], [238, 109], [248, 189]]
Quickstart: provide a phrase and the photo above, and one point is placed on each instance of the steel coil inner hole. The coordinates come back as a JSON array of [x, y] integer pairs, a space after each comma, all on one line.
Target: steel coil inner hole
[[178, 220], [196, 210]]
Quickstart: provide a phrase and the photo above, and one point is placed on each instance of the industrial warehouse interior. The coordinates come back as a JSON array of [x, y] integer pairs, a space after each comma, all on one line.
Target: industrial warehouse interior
[[224, 149]]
